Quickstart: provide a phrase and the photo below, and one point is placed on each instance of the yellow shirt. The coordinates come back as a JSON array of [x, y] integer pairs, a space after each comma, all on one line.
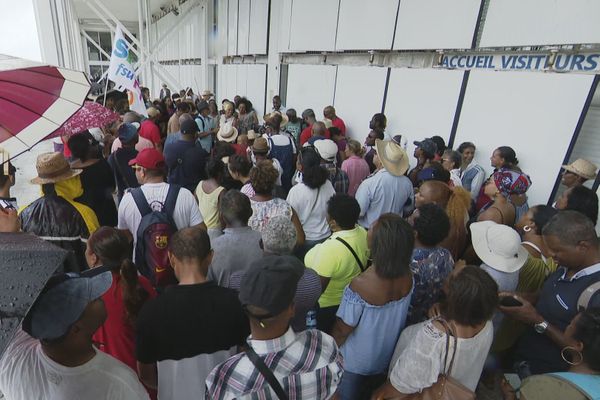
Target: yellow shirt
[[332, 259], [209, 205]]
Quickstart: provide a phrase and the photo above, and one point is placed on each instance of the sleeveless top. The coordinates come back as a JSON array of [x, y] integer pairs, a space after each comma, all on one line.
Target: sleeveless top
[[208, 203]]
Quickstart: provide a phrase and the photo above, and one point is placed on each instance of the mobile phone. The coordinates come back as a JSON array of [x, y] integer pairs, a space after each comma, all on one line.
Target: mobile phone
[[6, 205], [509, 301]]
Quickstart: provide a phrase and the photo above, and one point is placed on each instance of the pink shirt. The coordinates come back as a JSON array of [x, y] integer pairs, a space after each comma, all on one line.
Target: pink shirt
[[357, 170], [142, 144]]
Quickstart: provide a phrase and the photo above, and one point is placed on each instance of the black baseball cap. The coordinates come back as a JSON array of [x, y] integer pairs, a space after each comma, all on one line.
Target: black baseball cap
[[189, 127], [270, 284]]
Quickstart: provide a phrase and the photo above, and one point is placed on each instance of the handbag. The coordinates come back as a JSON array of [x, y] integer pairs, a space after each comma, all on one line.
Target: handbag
[[446, 387], [266, 373]]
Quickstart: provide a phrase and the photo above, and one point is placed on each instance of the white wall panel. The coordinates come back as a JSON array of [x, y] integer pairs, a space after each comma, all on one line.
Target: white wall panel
[[241, 79], [354, 14], [259, 18], [285, 25], [231, 84], [539, 22], [232, 27], [243, 26], [421, 103], [436, 24], [255, 87], [310, 86], [535, 114], [313, 25], [358, 95]]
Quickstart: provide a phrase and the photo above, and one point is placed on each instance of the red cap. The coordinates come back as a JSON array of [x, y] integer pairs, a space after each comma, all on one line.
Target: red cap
[[149, 159]]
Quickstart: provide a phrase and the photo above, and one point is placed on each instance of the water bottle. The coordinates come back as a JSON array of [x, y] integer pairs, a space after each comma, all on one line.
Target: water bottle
[[311, 319]]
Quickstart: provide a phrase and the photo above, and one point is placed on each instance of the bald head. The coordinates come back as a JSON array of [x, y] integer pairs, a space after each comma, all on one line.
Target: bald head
[[318, 129]]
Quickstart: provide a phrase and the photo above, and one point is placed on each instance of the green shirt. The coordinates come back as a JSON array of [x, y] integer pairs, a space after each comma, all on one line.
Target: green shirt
[[331, 259]]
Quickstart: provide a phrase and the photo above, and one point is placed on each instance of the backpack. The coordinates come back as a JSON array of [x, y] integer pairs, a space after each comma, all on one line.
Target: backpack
[[153, 235]]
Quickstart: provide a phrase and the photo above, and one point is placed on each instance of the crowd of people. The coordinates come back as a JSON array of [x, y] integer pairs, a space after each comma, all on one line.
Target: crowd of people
[[215, 253]]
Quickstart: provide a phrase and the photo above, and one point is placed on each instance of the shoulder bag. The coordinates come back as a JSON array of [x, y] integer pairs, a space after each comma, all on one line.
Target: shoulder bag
[[266, 373]]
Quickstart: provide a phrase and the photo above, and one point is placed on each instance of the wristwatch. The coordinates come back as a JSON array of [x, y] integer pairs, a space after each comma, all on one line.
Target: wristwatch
[[541, 327]]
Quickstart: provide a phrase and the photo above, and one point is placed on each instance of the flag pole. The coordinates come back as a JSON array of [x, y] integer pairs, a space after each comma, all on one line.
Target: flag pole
[[105, 90]]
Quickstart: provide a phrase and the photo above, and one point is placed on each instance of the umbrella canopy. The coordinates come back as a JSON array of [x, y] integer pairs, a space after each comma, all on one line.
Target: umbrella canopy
[[27, 264], [35, 100], [91, 115]]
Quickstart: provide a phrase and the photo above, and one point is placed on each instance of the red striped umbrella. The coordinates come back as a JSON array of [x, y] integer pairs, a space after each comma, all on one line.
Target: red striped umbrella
[[35, 100], [91, 115]]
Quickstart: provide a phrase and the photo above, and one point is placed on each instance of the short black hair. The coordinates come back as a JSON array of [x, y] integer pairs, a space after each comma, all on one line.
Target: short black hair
[[466, 145], [183, 106], [334, 131], [432, 225], [234, 206], [190, 244], [586, 331], [215, 168], [541, 215], [344, 210], [440, 143], [571, 227], [584, 200], [472, 296], [379, 121], [308, 113], [79, 145], [11, 172], [240, 164], [391, 246], [313, 174]]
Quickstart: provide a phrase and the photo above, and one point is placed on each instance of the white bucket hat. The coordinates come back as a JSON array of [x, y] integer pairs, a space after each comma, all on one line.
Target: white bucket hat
[[227, 133], [499, 246]]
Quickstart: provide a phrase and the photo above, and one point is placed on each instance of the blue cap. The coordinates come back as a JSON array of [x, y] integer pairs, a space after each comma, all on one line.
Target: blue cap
[[62, 302], [127, 132]]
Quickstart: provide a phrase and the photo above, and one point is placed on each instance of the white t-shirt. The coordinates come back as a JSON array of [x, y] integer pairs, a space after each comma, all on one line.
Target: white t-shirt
[[311, 207], [277, 166], [27, 373], [186, 211], [419, 355]]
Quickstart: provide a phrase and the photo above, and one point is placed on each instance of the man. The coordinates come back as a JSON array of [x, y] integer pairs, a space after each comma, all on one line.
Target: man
[[164, 92], [260, 152], [318, 132], [341, 143], [282, 148], [206, 125], [173, 137], [572, 242], [149, 166], [377, 125], [119, 160], [173, 124], [207, 95], [309, 118], [387, 190], [239, 245], [578, 172], [328, 151], [146, 97], [185, 160], [451, 161], [425, 153], [53, 357], [277, 105], [7, 180], [191, 327], [307, 365], [149, 128], [329, 113]]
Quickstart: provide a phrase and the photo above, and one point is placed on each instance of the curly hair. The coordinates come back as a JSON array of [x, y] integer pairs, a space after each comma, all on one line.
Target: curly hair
[[432, 224], [263, 177]]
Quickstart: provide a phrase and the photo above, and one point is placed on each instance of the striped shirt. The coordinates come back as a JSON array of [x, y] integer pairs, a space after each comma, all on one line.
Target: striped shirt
[[308, 365]]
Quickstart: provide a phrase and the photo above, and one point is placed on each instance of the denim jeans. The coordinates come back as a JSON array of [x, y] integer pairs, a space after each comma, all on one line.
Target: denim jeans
[[357, 387]]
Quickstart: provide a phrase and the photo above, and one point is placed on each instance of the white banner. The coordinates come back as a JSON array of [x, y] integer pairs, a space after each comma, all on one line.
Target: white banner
[[121, 72]]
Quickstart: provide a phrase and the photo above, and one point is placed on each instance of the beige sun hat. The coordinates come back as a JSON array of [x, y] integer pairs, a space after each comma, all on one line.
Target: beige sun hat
[[52, 168], [499, 246], [392, 156], [207, 93], [583, 168], [227, 133], [251, 134], [284, 118]]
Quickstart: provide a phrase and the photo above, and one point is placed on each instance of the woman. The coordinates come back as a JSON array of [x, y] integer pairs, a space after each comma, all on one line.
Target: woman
[[582, 199], [264, 205], [229, 116], [309, 199], [213, 112], [583, 356], [239, 168], [209, 192], [97, 178], [502, 186], [472, 174], [108, 250], [456, 202], [355, 166], [247, 119], [374, 308], [416, 364], [430, 263]]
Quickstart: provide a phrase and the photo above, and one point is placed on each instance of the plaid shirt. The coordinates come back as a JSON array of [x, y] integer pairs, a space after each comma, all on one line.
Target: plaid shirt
[[307, 364], [338, 178]]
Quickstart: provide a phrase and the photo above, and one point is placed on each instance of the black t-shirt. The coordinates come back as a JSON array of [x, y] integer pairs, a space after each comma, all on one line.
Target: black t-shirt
[[98, 186], [188, 320], [186, 162], [123, 173]]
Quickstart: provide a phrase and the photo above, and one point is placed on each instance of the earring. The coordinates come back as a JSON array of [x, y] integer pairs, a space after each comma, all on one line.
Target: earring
[[567, 348], [526, 228]]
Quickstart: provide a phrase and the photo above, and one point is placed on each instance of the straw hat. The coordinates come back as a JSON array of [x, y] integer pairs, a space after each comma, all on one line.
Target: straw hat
[[582, 167], [260, 146], [52, 168], [284, 118], [152, 112], [251, 134], [227, 133], [499, 246], [392, 156], [207, 93]]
